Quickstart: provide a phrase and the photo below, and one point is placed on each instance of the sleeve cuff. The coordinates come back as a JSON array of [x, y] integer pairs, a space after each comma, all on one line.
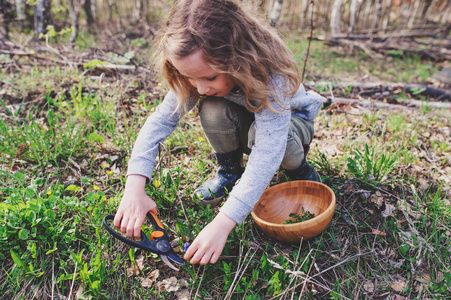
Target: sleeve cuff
[[236, 210]]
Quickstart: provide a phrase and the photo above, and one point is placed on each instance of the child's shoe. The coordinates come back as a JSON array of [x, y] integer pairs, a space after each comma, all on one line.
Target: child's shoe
[[229, 171], [304, 172]]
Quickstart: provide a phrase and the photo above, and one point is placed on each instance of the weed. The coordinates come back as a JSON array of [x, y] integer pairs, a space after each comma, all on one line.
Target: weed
[[369, 167]]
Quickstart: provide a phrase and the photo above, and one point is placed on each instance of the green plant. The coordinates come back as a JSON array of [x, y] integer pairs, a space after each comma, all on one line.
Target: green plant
[[39, 227], [371, 166], [296, 218], [121, 59], [140, 42], [52, 34], [347, 91], [371, 119], [93, 63], [41, 144]]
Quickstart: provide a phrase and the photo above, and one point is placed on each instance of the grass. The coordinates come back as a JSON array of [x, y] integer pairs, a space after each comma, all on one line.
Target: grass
[[66, 136], [330, 64]]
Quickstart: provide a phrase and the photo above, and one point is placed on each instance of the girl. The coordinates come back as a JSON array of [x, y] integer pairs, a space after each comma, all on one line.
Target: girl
[[222, 55]]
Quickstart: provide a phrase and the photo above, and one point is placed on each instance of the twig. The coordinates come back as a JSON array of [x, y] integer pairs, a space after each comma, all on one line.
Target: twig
[[305, 281], [403, 105], [73, 281], [201, 278], [309, 40], [53, 276], [340, 263], [309, 279], [295, 265], [240, 272]]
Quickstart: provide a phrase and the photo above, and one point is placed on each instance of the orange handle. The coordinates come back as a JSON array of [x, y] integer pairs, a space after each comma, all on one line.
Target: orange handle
[[156, 234], [157, 220]]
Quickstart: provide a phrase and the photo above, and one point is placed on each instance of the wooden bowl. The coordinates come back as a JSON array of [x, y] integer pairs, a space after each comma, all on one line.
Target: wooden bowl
[[279, 201]]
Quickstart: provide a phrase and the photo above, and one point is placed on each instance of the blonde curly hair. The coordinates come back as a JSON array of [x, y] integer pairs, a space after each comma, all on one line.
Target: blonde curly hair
[[235, 40]]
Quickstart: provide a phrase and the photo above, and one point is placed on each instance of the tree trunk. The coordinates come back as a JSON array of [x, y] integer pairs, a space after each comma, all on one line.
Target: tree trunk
[[39, 17], [353, 15], [304, 10], [20, 10], [416, 6], [426, 6], [275, 13], [145, 9], [136, 10], [335, 18], [378, 12], [5, 12], [89, 16], [367, 12], [446, 16], [386, 19], [74, 20]]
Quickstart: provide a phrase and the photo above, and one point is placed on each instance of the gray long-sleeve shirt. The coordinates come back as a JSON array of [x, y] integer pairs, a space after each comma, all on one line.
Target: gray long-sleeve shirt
[[271, 132]]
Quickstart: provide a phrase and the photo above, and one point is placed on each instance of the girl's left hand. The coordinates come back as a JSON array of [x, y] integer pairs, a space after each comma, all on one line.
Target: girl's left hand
[[208, 245]]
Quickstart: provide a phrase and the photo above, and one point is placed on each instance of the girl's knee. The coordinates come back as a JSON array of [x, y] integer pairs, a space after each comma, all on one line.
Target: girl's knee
[[294, 153], [217, 113]]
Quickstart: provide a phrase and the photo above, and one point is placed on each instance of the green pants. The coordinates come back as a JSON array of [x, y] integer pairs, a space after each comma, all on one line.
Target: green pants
[[229, 126]]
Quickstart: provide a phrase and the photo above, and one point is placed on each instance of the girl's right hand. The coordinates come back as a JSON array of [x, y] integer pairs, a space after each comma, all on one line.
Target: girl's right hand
[[135, 204]]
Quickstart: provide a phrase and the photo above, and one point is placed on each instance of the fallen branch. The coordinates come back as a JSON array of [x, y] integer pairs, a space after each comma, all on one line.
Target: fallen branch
[[113, 67], [381, 37], [385, 44], [377, 104], [376, 89], [108, 67]]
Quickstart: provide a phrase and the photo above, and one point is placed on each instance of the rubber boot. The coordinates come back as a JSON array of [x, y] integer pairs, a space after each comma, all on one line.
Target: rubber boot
[[304, 172], [230, 170]]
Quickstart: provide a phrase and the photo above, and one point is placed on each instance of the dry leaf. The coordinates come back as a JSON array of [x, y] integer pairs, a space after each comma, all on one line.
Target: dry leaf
[[184, 283], [132, 271], [379, 200], [331, 151], [79, 293], [171, 284], [389, 209], [378, 232], [146, 282], [397, 264], [183, 294], [159, 287], [368, 286], [116, 170], [154, 275], [398, 286], [140, 262]]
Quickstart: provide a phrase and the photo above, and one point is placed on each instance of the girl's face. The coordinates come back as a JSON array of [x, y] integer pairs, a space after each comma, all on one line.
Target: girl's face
[[206, 80]]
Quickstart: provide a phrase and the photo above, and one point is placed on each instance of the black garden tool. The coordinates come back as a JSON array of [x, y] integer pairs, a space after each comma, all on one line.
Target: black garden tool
[[158, 243]]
